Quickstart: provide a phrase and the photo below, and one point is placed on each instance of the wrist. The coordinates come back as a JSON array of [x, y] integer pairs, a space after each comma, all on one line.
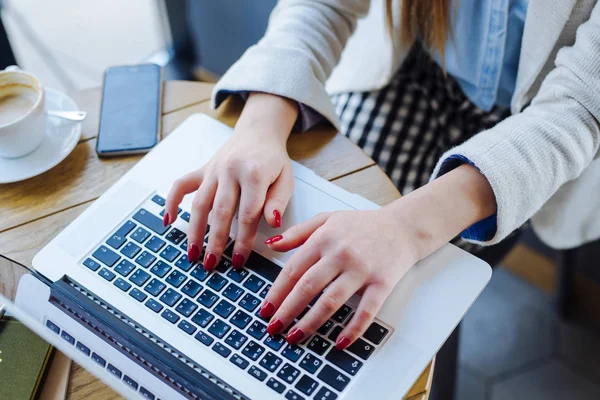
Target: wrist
[[267, 117]]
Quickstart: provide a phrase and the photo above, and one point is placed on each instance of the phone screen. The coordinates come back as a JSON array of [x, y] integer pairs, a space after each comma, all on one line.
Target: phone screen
[[129, 117]]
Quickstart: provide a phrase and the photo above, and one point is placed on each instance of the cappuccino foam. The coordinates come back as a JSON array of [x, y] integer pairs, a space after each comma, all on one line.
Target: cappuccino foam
[[14, 106]]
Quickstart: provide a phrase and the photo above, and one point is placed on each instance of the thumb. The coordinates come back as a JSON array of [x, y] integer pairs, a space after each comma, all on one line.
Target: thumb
[[278, 196]]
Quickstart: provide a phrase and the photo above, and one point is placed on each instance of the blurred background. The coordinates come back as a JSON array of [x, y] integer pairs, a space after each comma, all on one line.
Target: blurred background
[[533, 334]]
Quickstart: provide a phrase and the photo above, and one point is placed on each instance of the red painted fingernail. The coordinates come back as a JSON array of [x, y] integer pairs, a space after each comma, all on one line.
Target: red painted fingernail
[[166, 219], [342, 343], [295, 336], [275, 327], [193, 252], [238, 260], [277, 216], [273, 239], [267, 309], [210, 260]]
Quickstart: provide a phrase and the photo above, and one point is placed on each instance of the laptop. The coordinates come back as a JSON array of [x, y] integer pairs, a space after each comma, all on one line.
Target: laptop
[[115, 292]]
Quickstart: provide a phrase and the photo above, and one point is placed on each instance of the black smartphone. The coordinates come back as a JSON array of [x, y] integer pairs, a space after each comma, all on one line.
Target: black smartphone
[[130, 114]]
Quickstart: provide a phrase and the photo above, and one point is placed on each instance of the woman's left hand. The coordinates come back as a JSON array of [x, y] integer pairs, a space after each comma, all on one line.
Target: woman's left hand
[[347, 252]]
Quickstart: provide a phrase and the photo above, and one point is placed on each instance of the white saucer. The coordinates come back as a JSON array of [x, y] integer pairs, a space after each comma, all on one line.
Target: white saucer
[[61, 138]]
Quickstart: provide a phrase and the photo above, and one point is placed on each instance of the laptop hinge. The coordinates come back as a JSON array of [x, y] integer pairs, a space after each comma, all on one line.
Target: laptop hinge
[[138, 344]]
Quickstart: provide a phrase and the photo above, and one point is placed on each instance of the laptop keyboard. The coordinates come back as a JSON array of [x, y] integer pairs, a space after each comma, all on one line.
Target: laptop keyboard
[[220, 309]]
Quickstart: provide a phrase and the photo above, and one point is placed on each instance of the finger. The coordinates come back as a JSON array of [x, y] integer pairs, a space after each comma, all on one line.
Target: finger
[[297, 234], [290, 274], [221, 216], [330, 301], [182, 186], [312, 282], [252, 200], [200, 208], [370, 304], [278, 196]]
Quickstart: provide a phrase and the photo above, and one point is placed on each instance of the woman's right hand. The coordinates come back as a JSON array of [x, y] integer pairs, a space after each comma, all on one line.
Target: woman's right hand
[[252, 170]]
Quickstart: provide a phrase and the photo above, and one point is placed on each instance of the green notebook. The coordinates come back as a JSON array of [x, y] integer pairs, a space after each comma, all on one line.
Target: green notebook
[[24, 358]]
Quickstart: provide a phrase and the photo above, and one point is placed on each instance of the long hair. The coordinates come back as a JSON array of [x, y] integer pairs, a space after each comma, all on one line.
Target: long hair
[[429, 19]]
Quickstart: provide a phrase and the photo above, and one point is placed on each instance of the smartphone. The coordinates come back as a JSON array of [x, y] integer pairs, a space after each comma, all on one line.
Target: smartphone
[[130, 114]]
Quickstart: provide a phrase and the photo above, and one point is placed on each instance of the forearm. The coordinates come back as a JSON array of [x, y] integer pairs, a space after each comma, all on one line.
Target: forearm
[[267, 116], [445, 207]]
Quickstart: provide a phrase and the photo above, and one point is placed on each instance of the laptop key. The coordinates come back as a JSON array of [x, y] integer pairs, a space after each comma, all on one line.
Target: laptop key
[[99, 360], [175, 236], [186, 216], [233, 292], [139, 277], [221, 350], [224, 265], [150, 221], [140, 235], [262, 266], [254, 283], [145, 259], [160, 269], [257, 373], [224, 308], [239, 361], [66, 336], [310, 363], [138, 295], [344, 361], [106, 256], [325, 328], [275, 342], [236, 339], [199, 273], [130, 382], [191, 288], [257, 330], [184, 245], [170, 253], [291, 395], [216, 282], [270, 362], [186, 307], [204, 338], [249, 302], [263, 293], [114, 370], [276, 385], [155, 287], [91, 264], [253, 350], [335, 333], [155, 244], [122, 284], [107, 274], [53, 327], [202, 318], [307, 385], [170, 316], [219, 328], [288, 373], [154, 305], [361, 349], [124, 268], [208, 298], [375, 333], [176, 278], [333, 378], [118, 238], [187, 327], [318, 345], [146, 394], [130, 250], [237, 275], [240, 319], [183, 263], [159, 200], [341, 314], [292, 353], [325, 394], [83, 348], [170, 297]]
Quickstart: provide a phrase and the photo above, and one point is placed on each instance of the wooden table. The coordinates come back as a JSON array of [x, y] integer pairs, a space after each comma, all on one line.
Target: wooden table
[[35, 210]]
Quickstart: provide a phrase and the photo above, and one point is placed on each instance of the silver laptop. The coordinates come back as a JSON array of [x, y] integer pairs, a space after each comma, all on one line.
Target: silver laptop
[[115, 292]]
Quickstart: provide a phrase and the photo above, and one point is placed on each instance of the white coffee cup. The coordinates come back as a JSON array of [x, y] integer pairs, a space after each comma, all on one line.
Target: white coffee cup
[[22, 114]]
